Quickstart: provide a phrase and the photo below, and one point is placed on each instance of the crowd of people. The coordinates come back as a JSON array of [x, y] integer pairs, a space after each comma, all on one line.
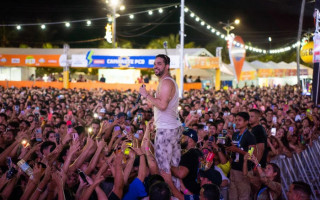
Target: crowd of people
[[98, 144]]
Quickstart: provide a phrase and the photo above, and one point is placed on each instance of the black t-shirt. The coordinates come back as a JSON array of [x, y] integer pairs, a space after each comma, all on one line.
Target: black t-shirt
[[190, 160], [261, 137], [246, 139]]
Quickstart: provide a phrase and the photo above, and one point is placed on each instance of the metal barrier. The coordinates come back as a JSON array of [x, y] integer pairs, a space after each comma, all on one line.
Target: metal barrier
[[301, 167]]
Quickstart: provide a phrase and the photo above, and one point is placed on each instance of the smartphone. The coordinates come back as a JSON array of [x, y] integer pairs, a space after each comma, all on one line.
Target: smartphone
[[124, 132], [38, 135], [274, 119], [75, 136], [36, 117], [139, 117], [291, 130], [110, 121], [117, 128], [24, 143], [273, 131], [251, 149], [128, 128], [199, 112], [206, 128], [83, 176]]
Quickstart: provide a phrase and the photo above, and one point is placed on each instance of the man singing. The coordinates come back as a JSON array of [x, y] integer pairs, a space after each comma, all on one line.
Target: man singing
[[166, 117]]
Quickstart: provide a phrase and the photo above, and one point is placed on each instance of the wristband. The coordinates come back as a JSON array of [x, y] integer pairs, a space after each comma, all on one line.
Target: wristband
[[257, 165], [147, 148], [39, 189]]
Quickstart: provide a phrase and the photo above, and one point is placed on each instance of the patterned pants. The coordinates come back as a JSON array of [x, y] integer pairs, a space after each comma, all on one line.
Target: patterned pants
[[168, 150]]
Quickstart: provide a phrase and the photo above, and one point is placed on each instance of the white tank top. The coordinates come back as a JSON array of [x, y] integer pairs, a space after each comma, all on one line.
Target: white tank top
[[169, 118]]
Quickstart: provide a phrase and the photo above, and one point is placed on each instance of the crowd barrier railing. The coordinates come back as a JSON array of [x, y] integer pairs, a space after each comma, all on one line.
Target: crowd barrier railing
[[90, 85], [301, 167]]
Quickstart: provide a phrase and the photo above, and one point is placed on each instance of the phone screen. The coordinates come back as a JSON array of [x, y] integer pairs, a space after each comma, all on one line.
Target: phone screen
[[273, 131]]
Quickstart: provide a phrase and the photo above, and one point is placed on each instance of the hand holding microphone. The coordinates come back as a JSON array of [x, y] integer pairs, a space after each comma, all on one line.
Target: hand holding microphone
[[143, 92]]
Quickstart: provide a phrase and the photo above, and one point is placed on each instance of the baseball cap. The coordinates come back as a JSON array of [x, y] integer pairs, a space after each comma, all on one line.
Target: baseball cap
[[191, 133], [213, 175]]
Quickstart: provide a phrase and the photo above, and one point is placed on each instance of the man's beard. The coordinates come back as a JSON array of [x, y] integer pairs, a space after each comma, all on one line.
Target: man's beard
[[184, 145], [160, 73]]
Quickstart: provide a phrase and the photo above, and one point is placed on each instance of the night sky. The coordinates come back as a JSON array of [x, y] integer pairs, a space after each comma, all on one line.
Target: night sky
[[259, 20]]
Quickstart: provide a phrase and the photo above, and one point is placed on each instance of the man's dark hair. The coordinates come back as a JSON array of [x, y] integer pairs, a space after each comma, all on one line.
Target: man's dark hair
[[159, 191], [48, 134], [244, 115], [165, 58], [256, 111], [211, 192], [302, 187], [61, 123], [4, 115], [47, 144], [96, 121]]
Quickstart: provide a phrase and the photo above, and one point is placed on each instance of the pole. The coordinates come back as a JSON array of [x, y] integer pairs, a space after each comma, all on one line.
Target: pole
[[181, 48], [299, 38], [66, 48], [114, 27], [316, 53]]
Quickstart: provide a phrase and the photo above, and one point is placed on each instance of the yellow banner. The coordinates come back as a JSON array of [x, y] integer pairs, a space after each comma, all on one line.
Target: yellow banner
[[203, 62]]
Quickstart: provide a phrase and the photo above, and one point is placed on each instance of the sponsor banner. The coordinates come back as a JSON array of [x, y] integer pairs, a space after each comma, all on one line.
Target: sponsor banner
[[196, 62], [247, 76], [119, 61], [78, 60], [265, 73], [30, 60], [279, 72]]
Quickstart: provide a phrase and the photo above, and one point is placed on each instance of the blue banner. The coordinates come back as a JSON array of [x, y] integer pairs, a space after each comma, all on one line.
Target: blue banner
[[119, 61]]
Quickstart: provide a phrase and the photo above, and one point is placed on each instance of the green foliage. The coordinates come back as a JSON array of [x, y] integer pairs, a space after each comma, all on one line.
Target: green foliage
[[23, 46]]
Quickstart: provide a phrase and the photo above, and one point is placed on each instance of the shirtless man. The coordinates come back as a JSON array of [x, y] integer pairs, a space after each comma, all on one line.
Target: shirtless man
[[166, 117]]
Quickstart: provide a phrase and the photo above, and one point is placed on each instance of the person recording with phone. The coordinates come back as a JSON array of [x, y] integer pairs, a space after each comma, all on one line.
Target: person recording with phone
[[166, 116], [267, 184]]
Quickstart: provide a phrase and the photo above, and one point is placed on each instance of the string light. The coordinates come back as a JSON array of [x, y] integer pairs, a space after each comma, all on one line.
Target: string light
[[250, 48], [122, 7], [160, 10]]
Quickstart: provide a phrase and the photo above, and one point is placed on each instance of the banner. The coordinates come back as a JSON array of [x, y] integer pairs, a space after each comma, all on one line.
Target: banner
[[237, 54], [202, 62], [30, 60], [119, 61], [248, 76]]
